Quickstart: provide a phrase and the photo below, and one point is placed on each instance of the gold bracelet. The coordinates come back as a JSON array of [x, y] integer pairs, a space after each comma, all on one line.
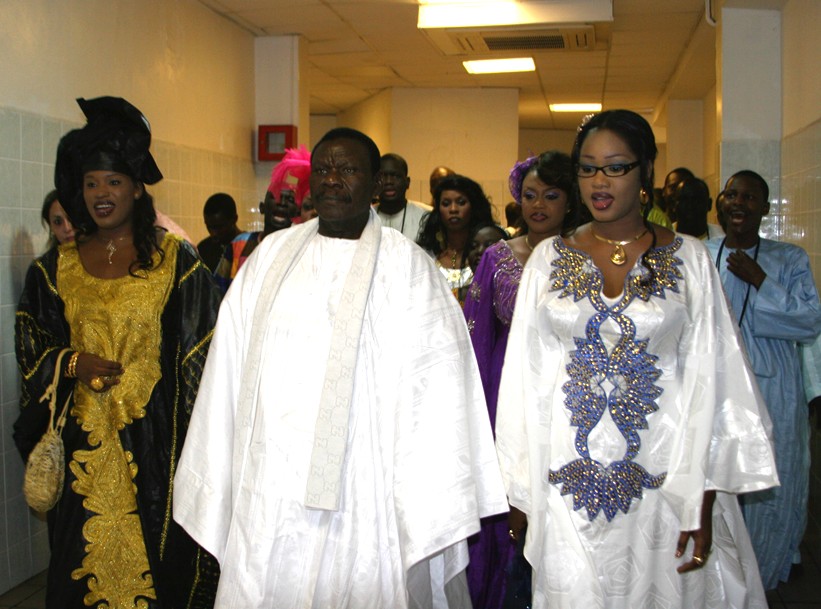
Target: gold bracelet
[[71, 369]]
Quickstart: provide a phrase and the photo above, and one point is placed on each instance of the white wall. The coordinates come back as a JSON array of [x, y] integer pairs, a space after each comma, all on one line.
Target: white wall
[[801, 146], [749, 78], [685, 129], [186, 68], [751, 60], [372, 117], [320, 125], [280, 96], [802, 53], [189, 71], [536, 141], [710, 144], [472, 131], [431, 127]]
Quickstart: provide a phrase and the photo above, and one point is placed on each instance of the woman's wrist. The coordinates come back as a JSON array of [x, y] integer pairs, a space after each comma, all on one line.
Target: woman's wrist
[[71, 367]]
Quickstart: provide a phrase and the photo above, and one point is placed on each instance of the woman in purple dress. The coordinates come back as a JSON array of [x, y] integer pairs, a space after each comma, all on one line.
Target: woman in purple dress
[[543, 187]]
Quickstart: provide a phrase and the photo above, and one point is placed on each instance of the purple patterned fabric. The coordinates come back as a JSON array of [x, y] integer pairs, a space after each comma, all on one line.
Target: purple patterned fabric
[[489, 309]]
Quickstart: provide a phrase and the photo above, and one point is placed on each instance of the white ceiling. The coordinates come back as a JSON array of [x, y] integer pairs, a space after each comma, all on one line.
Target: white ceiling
[[652, 51]]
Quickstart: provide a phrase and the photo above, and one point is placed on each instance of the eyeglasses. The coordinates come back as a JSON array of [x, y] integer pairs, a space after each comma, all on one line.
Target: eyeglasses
[[611, 171]]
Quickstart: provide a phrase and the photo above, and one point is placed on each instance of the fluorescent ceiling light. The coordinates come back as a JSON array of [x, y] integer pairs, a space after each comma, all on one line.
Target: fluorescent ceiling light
[[499, 66], [475, 13], [575, 107]]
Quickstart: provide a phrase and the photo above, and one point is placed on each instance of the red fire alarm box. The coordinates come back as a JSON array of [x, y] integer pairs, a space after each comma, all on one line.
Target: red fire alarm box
[[272, 140]]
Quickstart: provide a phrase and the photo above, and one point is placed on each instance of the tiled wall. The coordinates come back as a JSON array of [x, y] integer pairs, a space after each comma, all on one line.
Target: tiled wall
[[191, 176], [801, 213], [801, 192], [27, 146]]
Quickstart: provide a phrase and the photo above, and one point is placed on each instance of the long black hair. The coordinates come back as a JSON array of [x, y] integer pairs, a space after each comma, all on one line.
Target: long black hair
[[433, 234], [45, 217], [636, 132], [145, 236]]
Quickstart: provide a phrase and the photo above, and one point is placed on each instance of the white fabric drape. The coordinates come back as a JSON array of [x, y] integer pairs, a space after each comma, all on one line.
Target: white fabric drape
[[419, 470], [710, 431]]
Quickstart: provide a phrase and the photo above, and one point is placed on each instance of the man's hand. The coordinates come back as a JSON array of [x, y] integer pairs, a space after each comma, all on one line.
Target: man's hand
[[745, 268]]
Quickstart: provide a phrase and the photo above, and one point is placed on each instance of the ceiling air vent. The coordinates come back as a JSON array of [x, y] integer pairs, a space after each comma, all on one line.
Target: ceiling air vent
[[525, 43], [468, 42]]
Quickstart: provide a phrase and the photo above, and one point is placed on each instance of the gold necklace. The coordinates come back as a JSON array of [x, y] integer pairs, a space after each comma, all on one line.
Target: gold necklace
[[527, 242], [618, 256], [453, 260], [111, 248]]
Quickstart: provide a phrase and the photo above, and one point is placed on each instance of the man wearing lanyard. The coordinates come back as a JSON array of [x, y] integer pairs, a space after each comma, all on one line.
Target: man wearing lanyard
[[394, 209], [773, 295]]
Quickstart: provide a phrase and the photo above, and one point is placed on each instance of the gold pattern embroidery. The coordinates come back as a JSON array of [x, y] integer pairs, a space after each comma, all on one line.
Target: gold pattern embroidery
[[189, 272], [575, 274], [29, 334], [117, 319], [47, 279]]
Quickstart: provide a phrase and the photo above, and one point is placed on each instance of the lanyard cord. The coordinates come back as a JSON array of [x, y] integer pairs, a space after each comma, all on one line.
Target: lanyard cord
[[404, 211], [749, 285]]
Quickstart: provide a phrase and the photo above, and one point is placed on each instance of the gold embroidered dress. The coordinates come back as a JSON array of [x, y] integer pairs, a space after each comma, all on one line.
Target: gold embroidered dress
[[114, 542], [117, 319]]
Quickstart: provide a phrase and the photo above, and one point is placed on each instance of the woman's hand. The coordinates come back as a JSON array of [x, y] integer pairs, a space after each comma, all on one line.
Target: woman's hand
[[98, 373], [702, 538], [516, 521]]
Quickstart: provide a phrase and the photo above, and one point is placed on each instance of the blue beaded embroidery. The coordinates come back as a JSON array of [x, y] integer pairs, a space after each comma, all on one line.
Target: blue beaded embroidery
[[628, 368]]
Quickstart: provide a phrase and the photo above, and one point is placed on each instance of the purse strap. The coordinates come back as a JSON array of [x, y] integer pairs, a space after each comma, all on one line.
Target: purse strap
[[50, 394]]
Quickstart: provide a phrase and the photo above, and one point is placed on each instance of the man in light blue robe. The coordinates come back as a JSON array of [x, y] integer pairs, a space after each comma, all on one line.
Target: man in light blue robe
[[774, 298]]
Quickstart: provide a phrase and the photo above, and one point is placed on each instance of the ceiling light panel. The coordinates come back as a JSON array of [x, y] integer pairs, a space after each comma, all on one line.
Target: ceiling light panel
[[456, 14], [585, 107], [500, 66]]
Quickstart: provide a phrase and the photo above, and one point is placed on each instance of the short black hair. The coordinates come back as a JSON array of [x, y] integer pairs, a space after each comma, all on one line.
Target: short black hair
[[392, 156], [491, 225], [346, 133], [220, 203], [749, 173], [513, 212], [683, 172]]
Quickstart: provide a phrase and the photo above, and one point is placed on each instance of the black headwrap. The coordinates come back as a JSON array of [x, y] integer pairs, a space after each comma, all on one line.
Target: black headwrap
[[116, 137]]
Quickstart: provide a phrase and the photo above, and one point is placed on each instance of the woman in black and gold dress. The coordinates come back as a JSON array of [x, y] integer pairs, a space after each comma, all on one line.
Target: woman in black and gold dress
[[136, 307]]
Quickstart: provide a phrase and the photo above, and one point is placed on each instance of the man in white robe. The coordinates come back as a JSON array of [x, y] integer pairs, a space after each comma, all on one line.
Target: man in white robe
[[394, 208], [339, 453]]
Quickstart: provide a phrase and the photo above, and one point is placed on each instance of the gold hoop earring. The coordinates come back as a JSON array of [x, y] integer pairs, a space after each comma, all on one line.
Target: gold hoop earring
[[644, 197]]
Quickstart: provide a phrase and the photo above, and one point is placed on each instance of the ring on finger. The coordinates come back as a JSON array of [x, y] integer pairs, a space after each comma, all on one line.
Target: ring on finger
[[97, 384], [699, 560]]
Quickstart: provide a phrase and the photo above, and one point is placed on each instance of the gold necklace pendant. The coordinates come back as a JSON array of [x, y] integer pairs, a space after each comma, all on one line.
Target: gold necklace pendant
[[110, 248], [527, 242], [618, 256]]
